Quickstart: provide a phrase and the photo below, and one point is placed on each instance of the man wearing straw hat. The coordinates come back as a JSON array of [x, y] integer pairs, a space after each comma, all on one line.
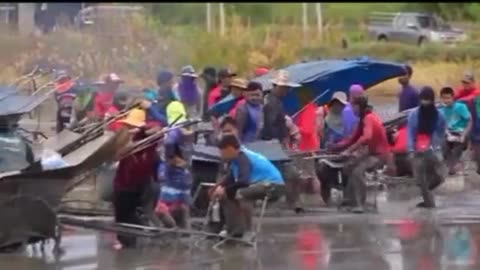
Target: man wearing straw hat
[[134, 174], [238, 87], [274, 113]]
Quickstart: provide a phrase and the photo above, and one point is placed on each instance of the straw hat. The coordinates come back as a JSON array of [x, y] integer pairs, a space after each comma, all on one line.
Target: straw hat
[[240, 83], [135, 118], [282, 79]]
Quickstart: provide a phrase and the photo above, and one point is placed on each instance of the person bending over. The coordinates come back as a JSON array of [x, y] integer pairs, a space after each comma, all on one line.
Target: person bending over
[[251, 177]]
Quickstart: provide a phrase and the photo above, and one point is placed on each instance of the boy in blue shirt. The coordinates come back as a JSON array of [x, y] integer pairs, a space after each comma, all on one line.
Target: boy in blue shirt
[[251, 177], [459, 124]]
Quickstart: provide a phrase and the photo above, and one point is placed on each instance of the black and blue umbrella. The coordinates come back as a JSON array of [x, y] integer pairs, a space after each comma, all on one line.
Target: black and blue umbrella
[[336, 75], [224, 105]]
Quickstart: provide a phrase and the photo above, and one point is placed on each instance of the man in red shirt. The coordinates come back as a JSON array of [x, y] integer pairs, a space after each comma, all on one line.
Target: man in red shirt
[[307, 124], [468, 90], [133, 176], [106, 91], [223, 88], [370, 133]]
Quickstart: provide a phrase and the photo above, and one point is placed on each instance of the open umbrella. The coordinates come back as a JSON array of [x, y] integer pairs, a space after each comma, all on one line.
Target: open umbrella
[[336, 75], [224, 105]]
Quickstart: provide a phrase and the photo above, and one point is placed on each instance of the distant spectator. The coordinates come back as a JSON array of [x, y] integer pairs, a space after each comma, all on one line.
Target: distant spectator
[[408, 95], [468, 90], [188, 90], [209, 76], [223, 88]]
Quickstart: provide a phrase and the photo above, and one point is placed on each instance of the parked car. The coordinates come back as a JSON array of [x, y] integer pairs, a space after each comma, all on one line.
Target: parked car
[[413, 28], [106, 16]]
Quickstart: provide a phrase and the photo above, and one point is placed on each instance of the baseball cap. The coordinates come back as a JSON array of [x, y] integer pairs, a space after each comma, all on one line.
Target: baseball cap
[[61, 74], [225, 73], [340, 96], [254, 86], [110, 78], [261, 71]]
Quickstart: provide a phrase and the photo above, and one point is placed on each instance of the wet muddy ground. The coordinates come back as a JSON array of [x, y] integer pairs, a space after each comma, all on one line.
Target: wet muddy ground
[[398, 237]]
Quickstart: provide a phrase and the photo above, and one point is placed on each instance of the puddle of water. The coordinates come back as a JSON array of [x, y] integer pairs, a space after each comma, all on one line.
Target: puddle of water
[[363, 242]]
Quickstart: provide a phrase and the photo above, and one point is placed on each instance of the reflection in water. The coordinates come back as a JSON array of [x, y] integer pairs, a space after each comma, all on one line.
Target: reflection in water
[[311, 247], [421, 250], [461, 248], [407, 245], [356, 247]]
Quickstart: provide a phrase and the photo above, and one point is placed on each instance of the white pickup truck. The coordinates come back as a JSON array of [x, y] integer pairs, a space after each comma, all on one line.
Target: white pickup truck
[[412, 28]]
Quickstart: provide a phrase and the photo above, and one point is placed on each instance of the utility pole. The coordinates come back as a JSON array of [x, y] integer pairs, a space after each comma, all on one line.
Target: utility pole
[[305, 21], [318, 9], [222, 19], [209, 17]]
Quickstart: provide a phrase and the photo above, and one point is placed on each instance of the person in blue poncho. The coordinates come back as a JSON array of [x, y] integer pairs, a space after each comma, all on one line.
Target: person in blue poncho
[[251, 177]]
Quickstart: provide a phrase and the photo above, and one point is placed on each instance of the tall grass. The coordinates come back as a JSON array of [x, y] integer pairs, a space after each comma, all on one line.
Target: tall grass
[[141, 47]]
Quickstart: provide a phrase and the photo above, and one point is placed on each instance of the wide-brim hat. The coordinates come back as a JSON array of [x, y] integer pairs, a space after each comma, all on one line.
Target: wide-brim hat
[[340, 97], [188, 71], [282, 78], [135, 118], [239, 83]]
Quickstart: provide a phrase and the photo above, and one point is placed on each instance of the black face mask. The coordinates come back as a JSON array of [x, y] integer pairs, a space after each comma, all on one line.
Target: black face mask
[[427, 118]]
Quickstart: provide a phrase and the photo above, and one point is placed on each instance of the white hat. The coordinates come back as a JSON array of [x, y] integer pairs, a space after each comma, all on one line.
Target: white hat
[[282, 79], [109, 78], [340, 96]]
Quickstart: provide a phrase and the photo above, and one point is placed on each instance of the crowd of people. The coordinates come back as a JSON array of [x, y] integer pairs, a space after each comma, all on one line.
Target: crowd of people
[[430, 140]]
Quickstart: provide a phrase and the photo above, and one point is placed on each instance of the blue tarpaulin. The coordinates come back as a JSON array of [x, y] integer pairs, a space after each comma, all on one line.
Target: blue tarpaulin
[[336, 75]]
